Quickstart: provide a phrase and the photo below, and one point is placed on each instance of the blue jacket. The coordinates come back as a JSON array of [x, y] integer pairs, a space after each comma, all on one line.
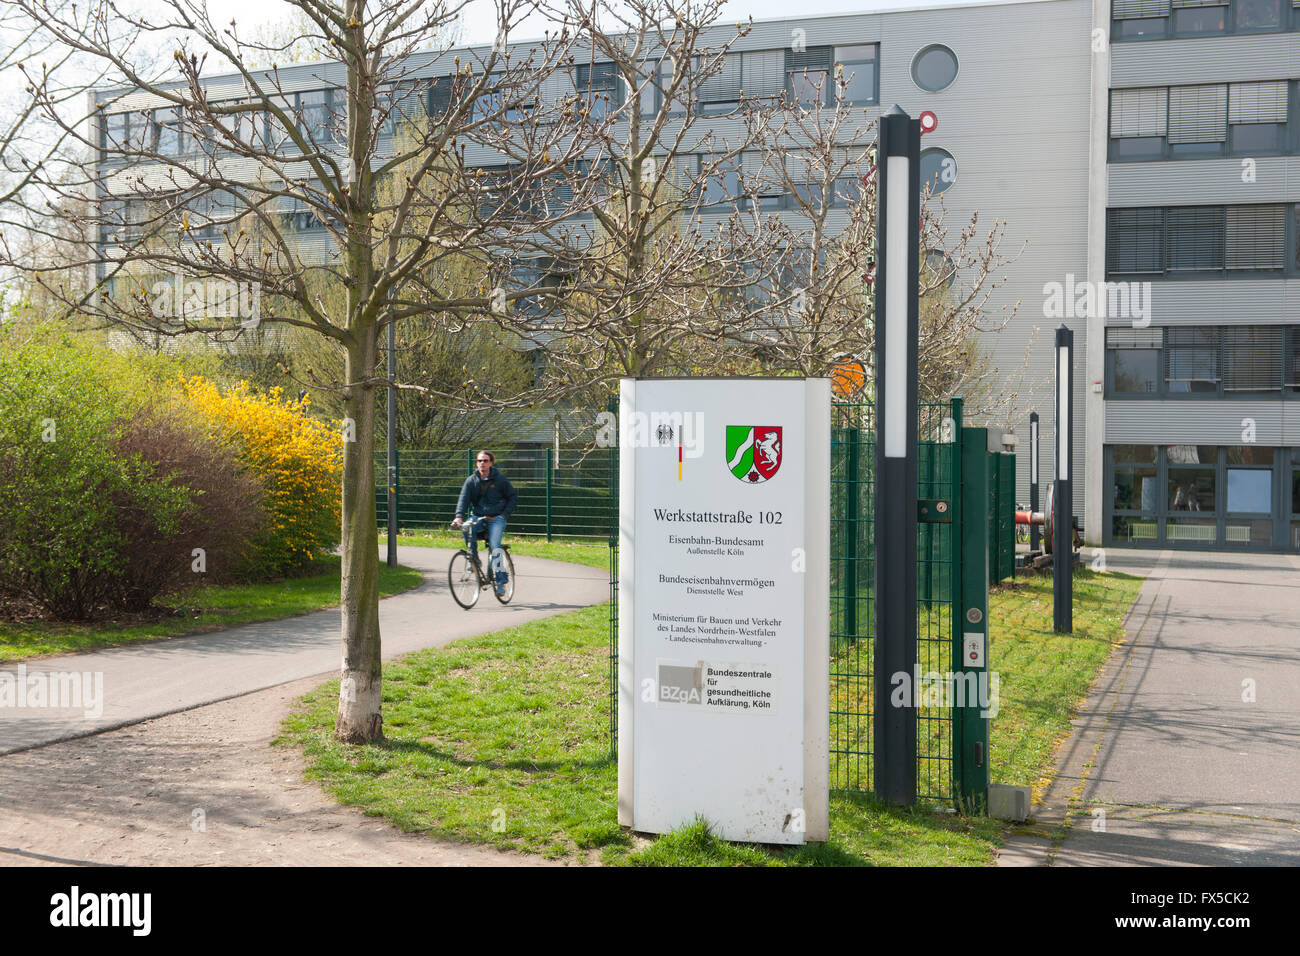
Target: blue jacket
[[490, 496]]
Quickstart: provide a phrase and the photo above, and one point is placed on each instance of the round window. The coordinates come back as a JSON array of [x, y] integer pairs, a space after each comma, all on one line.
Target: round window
[[934, 68], [939, 267], [938, 170]]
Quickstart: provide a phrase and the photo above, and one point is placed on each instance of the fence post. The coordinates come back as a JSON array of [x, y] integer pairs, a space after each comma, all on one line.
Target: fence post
[[971, 613], [550, 459], [851, 527], [956, 510], [1009, 516]]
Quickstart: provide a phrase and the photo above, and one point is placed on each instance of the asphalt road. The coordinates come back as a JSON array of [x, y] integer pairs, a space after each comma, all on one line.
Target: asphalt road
[[1187, 751], [143, 681]]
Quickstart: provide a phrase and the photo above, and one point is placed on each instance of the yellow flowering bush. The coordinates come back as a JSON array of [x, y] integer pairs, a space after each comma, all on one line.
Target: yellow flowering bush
[[297, 459]]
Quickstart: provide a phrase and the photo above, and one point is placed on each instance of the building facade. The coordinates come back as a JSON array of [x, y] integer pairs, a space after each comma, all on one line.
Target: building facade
[[1199, 405], [1139, 153]]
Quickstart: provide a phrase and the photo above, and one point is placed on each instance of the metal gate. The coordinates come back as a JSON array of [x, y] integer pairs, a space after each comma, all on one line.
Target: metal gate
[[853, 580]]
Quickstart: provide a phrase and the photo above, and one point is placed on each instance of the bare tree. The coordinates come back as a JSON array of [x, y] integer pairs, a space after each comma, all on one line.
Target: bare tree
[[196, 181], [813, 308], [652, 277]]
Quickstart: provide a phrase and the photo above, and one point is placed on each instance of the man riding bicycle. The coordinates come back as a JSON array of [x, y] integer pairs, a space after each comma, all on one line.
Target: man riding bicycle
[[488, 494]]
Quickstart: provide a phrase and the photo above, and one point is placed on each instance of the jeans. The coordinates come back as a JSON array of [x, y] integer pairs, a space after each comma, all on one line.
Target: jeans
[[496, 527]]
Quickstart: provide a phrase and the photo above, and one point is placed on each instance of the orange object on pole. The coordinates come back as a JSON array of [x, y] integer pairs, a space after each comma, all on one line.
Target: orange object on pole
[[847, 376]]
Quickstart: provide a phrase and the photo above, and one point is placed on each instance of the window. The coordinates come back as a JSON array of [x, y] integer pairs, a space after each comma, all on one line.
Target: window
[[166, 136], [541, 273], [1135, 242], [1291, 360], [1197, 240], [1187, 122], [1140, 19], [1133, 360], [1248, 488], [763, 74], [124, 133], [598, 84], [1194, 239], [809, 76], [764, 185], [317, 115], [1192, 360], [1200, 17], [720, 179], [934, 68], [937, 268], [405, 103], [1260, 15], [1257, 115], [720, 93], [1138, 123], [1198, 120], [855, 73], [1134, 498], [938, 170], [666, 79], [439, 96], [1252, 359]]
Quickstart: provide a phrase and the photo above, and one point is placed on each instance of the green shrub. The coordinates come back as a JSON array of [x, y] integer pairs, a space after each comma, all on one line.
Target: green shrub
[[104, 497], [61, 480]]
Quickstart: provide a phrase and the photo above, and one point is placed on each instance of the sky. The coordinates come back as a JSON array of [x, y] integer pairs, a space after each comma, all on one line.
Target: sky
[[480, 17]]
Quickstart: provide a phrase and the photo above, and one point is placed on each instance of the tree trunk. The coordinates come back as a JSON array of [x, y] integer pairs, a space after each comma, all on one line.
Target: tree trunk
[[360, 693]]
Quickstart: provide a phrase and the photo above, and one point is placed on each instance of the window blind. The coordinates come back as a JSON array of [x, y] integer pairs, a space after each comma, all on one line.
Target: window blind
[[1127, 338], [1193, 355], [1256, 237], [1257, 102], [763, 73], [1139, 112], [1291, 373], [1183, 4], [1252, 359], [1135, 241], [1194, 239], [723, 86], [813, 58], [1198, 114], [1140, 9]]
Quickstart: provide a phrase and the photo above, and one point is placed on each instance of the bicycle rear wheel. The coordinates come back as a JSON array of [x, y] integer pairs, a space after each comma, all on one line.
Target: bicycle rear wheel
[[462, 579], [509, 590]]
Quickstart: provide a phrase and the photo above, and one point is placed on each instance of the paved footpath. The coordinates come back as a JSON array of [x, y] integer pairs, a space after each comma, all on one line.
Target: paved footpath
[[190, 778], [1187, 751], [148, 680]]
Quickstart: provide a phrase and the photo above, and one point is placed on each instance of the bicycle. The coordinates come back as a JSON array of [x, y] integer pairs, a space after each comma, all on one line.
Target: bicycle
[[467, 577]]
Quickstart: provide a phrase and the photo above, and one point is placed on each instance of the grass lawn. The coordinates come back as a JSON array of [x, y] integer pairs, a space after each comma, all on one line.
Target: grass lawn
[[198, 609], [501, 740], [593, 552]]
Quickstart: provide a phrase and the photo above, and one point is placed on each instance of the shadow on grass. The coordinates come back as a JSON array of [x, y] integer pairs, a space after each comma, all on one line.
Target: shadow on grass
[[419, 748]]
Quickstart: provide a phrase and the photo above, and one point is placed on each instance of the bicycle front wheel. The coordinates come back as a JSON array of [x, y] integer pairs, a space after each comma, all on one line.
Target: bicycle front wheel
[[509, 590], [462, 579]]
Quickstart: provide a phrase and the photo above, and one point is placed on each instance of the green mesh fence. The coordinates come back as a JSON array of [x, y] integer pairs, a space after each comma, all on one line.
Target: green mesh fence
[[569, 493], [852, 607]]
